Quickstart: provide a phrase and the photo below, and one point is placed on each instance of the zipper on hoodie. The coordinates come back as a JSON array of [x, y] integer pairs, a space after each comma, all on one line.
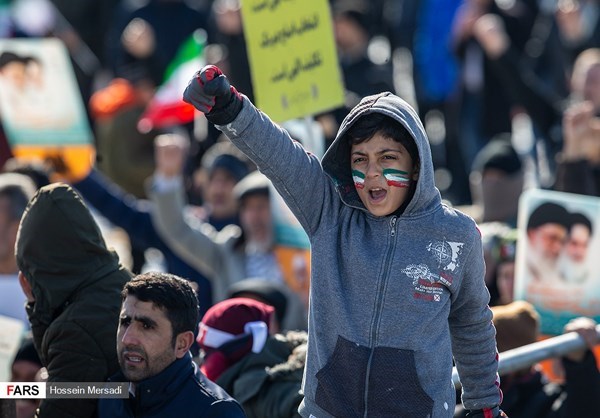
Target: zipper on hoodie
[[386, 270]]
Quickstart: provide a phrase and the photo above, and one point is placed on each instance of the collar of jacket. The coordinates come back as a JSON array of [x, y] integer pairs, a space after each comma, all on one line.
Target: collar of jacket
[[161, 388]]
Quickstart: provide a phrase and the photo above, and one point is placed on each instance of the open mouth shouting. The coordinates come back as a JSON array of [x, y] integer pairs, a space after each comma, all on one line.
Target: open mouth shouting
[[377, 194]]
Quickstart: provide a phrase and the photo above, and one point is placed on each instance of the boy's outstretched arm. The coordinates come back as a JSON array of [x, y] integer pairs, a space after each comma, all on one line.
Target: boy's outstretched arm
[[295, 173]]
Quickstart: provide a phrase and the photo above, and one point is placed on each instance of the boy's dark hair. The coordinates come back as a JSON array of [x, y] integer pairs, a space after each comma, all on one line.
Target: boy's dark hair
[[169, 292], [372, 123]]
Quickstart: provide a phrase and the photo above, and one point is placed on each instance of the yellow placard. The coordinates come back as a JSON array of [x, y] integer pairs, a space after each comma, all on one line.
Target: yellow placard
[[293, 58]]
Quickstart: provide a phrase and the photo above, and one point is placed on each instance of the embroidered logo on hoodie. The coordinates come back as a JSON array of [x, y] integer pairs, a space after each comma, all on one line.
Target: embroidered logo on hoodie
[[446, 253], [428, 286]]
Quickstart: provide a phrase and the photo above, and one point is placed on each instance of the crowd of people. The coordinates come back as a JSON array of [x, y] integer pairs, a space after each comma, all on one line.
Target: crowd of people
[[161, 266]]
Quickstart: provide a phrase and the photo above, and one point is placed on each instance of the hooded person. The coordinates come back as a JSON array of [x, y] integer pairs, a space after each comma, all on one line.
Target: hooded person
[[397, 288], [260, 369], [73, 285]]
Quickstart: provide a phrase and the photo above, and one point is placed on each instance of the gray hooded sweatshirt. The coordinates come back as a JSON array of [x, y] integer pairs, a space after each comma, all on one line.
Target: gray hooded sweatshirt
[[393, 299]]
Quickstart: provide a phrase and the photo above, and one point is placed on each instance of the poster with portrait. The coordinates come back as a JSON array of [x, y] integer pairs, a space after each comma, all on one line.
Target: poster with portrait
[[557, 267], [41, 108]]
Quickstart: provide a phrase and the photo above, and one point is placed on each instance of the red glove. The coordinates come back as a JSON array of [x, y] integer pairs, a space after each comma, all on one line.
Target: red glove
[[495, 412], [209, 91]]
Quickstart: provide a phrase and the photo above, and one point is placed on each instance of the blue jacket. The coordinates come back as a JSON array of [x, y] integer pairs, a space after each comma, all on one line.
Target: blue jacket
[[133, 215], [180, 390], [393, 299]]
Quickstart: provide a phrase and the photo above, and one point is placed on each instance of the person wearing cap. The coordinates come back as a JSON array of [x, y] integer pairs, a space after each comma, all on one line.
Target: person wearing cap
[[159, 314], [244, 355], [232, 254], [225, 166], [547, 229]]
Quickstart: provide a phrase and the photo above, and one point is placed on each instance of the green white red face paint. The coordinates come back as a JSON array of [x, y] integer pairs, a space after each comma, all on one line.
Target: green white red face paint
[[359, 179], [396, 178]]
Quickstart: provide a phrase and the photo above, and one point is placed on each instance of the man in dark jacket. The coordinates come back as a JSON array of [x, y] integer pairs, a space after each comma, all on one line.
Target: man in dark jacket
[[156, 330], [72, 283]]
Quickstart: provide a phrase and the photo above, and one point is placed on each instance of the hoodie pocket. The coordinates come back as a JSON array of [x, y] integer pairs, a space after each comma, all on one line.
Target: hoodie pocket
[[394, 387], [341, 383]]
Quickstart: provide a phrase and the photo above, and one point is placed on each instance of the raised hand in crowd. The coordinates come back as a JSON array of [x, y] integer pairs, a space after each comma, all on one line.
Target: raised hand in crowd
[[581, 133], [586, 328], [209, 91], [490, 33], [170, 152]]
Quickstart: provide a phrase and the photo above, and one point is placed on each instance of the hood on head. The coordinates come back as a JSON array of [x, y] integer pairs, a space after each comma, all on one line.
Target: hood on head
[[336, 161], [60, 248]]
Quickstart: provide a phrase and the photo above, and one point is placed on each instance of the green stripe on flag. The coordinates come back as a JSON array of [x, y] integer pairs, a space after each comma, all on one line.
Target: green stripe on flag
[[190, 49]]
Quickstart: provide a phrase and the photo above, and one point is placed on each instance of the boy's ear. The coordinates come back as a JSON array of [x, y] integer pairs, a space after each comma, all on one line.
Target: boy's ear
[[415, 174]]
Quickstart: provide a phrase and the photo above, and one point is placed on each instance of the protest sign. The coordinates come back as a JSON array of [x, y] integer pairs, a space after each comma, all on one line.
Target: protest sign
[[41, 107], [293, 58], [555, 267]]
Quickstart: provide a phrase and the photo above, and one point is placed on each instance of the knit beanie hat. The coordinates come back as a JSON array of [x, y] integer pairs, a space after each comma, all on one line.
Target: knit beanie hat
[[230, 330], [517, 324]]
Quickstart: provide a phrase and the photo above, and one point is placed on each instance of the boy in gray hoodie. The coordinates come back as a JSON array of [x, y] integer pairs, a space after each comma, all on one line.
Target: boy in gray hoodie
[[397, 289]]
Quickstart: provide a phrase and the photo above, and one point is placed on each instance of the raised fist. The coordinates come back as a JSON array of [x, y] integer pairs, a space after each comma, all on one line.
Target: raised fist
[[209, 91]]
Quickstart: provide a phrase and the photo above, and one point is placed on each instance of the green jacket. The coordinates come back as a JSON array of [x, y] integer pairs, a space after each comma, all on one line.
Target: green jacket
[[268, 384], [76, 282]]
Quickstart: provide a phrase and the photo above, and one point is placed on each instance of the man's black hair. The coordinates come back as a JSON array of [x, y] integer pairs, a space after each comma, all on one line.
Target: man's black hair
[[169, 292]]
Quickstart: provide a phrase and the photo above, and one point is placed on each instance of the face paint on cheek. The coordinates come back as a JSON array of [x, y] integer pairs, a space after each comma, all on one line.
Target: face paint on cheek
[[359, 179], [396, 178]]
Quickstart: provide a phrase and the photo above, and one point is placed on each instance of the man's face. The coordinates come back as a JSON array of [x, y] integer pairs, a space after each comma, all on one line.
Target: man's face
[[383, 172], [578, 242], [219, 194], [255, 217], [144, 340], [548, 240]]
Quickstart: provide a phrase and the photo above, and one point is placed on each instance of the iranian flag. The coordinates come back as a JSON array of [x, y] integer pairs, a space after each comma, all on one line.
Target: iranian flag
[[359, 179], [167, 107], [396, 178]]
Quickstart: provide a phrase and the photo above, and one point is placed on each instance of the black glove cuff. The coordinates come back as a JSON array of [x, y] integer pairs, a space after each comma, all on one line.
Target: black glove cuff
[[480, 413], [227, 113]]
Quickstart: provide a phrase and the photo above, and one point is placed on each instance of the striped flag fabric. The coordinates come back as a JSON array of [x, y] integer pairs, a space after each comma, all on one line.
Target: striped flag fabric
[[359, 179], [397, 178], [167, 107]]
